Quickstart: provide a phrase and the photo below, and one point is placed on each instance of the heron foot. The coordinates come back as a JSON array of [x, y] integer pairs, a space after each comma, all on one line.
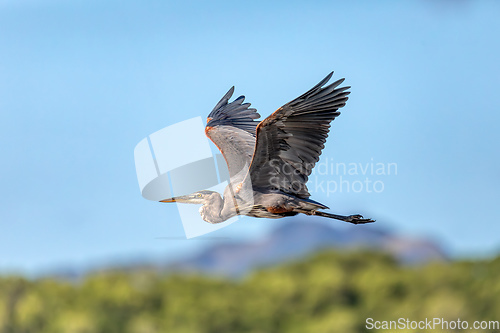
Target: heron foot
[[357, 219], [354, 219]]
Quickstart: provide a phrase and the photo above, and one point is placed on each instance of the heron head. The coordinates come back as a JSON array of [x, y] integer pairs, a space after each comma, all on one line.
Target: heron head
[[200, 198]]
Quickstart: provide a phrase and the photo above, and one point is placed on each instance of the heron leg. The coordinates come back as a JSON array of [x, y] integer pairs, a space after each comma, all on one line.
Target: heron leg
[[354, 219]]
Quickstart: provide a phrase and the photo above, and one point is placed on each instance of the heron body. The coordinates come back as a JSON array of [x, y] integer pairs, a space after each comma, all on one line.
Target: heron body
[[270, 161]]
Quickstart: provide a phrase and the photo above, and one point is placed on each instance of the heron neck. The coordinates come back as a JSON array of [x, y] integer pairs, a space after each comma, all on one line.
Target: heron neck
[[228, 208], [212, 210], [218, 209]]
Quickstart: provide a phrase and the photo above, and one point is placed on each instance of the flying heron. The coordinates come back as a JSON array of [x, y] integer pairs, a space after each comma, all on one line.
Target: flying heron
[[269, 161]]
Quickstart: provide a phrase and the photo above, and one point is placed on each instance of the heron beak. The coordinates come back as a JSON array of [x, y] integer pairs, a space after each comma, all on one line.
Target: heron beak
[[168, 200], [190, 198]]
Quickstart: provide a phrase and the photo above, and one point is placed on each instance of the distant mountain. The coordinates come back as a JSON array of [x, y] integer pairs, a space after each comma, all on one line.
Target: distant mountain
[[300, 238], [293, 240]]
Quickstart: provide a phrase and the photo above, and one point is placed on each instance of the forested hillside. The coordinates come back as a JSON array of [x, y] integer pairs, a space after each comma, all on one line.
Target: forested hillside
[[328, 292]]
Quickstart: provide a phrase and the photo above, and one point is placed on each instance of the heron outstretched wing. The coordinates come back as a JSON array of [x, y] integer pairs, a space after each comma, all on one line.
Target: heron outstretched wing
[[231, 127], [290, 141]]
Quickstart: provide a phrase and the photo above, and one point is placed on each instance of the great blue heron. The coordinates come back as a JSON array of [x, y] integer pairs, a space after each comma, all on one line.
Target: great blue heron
[[269, 161]]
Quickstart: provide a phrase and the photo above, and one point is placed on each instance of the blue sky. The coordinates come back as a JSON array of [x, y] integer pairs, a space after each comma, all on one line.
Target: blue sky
[[82, 82]]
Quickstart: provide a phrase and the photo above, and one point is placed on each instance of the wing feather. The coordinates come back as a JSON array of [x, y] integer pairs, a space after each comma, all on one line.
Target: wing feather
[[289, 141], [231, 127]]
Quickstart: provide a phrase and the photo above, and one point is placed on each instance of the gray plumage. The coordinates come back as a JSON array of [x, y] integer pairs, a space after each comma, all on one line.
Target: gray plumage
[[270, 161]]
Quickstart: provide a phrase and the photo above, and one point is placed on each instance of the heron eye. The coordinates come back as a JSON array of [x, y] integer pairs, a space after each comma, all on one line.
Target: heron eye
[[198, 195]]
